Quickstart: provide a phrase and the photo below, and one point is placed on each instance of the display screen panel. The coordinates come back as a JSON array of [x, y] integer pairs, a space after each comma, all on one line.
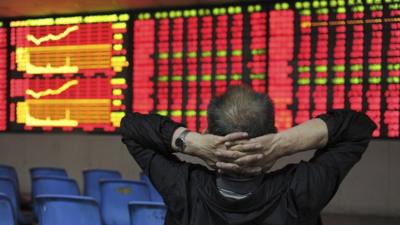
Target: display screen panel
[[82, 73], [68, 73], [309, 56], [3, 77]]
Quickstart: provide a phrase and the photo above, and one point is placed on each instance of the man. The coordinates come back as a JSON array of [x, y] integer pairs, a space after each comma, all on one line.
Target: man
[[242, 143]]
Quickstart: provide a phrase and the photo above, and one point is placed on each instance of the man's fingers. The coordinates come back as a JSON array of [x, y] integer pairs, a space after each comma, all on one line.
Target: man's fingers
[[249, 160], [211, 163], [234, 136], [224, 167], [229, 167], [250, 147], [233, 143], [227, 154]]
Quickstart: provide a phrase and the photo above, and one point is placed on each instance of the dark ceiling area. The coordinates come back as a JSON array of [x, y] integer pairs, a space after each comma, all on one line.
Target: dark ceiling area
[[29, 8]]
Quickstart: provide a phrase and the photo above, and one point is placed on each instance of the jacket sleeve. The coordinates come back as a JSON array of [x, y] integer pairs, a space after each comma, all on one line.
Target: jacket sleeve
[[148, 139], [315, 182]]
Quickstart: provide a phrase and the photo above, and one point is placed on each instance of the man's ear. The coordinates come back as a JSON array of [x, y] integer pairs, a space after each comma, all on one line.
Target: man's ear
[[205, 131]]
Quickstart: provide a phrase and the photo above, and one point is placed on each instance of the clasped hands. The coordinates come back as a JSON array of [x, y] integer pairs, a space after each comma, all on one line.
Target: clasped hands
[[235, 153]]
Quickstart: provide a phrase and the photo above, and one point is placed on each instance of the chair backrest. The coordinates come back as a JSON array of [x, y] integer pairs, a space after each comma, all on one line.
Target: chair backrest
[[7, 215], [44, 172], [68, 210], [115, 196], [9, 171], [48, 171], [154, 194], [7, 188], [147, 213], [92, 181], [53, 186]]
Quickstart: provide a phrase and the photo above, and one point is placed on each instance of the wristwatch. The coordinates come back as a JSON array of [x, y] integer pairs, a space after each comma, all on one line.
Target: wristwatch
[[180, 142]]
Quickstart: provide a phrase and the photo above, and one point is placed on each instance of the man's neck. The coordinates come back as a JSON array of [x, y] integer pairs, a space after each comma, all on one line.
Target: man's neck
[[237, 185]]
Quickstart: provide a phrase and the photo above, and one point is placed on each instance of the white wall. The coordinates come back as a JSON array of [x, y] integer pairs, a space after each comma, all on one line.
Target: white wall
[[372, 187]]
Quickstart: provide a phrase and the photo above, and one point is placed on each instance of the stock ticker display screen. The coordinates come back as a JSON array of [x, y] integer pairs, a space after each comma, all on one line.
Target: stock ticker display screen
[[83, 73], [309, 56], [68, 73]]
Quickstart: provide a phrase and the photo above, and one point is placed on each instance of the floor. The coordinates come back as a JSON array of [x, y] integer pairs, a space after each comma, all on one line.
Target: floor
[[334, 219]]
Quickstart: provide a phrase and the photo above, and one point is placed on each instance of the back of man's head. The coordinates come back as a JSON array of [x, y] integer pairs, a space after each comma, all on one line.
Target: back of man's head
[[241, 109]]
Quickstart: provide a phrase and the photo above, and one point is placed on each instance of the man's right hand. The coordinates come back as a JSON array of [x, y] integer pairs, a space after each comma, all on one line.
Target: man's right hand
[[212, 149], [261, 152]]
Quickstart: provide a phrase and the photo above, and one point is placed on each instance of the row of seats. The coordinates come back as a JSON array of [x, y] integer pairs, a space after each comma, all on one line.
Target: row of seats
[[108, 199], [67, 210]]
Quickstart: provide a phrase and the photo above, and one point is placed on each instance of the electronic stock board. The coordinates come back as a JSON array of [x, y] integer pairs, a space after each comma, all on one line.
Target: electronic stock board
[[85, 72]]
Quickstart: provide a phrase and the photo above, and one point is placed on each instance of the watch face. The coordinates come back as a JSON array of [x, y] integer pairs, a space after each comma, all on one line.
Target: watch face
[[179, 143]]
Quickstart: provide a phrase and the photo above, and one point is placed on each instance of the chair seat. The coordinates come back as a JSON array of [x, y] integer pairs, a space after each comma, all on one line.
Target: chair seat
[[53, 186], [147, 213], [115, 197], [92, 179], [68, 210]]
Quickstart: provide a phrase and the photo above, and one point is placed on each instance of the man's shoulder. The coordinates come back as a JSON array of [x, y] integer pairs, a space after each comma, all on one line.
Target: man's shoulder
[[287, 170], [282, 177]]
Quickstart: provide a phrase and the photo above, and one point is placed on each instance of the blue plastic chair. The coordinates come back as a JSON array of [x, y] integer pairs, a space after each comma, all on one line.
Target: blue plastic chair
[[154, 194], [44, 172], [52, 186], [7, 188], [9, 171], [68, 210], [92, 178], [147, 213], [115, 197], [48, 171], [7, 216]]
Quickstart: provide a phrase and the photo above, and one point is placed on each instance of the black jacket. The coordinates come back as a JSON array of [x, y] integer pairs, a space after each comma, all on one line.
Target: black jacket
[[295, 194]]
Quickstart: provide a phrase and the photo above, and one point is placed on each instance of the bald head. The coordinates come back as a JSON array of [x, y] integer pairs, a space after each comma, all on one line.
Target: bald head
[[241, 109]]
